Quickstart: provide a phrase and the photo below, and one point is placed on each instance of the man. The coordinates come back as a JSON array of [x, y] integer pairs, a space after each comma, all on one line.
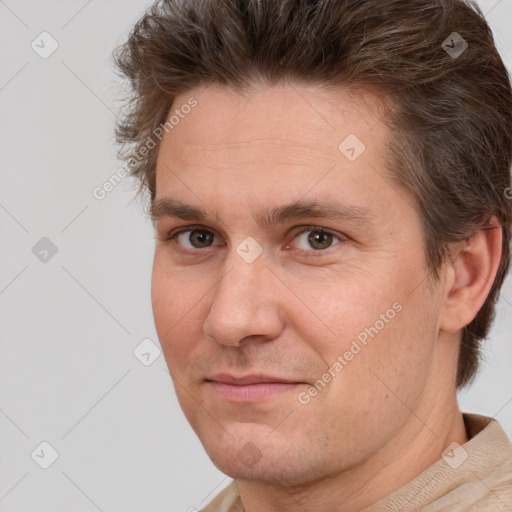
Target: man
[[328, 182]]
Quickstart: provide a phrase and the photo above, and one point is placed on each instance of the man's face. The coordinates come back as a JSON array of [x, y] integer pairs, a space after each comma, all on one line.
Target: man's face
[[253, 316]]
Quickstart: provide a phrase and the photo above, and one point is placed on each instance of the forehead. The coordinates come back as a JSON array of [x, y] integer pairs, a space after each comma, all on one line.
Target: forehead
[[292, 138]]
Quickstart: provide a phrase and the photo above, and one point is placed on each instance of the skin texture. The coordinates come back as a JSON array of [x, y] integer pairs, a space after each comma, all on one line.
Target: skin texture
[[391, 410]]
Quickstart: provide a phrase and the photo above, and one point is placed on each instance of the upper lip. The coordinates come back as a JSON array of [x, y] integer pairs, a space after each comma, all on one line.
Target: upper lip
[[247, 379]]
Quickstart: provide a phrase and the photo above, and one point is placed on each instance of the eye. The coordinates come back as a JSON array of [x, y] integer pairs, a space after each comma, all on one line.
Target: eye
[[316, 238], [196, 238]]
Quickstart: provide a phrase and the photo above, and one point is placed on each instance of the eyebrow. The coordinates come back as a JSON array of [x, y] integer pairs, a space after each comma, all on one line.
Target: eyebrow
[[168, 207]]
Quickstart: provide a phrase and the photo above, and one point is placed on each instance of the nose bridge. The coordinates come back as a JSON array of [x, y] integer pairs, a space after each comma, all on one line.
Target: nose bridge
[[244, 303]]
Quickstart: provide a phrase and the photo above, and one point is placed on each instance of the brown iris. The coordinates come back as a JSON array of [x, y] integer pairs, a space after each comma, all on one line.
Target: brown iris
[[320, 239], [200, 238]]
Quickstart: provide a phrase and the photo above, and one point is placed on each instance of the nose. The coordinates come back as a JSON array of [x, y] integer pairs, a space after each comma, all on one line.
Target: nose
[[246, 304]]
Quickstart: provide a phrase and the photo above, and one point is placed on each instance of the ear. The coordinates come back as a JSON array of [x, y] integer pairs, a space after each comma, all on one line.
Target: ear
[[469, 277]]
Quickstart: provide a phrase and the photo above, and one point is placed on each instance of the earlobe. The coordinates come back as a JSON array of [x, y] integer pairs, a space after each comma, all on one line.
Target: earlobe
[[469, 277]]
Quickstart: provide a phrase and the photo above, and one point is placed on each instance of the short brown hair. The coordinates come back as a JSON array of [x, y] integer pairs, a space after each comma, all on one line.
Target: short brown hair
[[452, 115]]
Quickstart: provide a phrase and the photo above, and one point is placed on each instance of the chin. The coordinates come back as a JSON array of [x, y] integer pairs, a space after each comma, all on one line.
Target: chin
[[257, 456]]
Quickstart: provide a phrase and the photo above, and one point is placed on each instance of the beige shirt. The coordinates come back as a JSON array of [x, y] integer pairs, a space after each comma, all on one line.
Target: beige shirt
[[474, 478]]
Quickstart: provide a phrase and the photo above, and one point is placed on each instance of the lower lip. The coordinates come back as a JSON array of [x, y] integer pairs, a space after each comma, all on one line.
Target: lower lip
[[251, 392]]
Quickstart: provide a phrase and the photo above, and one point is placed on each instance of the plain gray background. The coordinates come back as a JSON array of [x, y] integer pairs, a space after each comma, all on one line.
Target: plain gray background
[[71, 320]]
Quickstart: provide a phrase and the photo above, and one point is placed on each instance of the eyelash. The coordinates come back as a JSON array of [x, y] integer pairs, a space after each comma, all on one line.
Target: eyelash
[[304, 229]]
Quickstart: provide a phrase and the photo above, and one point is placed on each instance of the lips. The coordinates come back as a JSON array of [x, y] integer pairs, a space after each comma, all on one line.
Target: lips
[[250, 388], [226, 378]]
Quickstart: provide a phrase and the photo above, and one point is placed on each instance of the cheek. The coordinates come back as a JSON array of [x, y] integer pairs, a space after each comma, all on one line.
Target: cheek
[[175, 303], [372, 319], [174, 292], [395, 348], [336, 311], [175, 310], [163, 298], [376, 378]]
